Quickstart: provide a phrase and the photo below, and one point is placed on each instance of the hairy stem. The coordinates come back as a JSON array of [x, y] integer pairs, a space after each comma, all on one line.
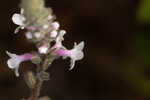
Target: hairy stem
[[36, 90]]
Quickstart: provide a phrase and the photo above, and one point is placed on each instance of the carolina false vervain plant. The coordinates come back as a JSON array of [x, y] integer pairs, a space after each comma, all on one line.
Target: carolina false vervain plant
[[42, 30]]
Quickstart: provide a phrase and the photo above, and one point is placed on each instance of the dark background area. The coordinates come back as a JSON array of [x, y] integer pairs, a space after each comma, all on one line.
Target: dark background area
[[116, 63]]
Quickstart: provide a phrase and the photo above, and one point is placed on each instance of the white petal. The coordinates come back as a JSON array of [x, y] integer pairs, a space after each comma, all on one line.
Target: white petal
[[17, 29], [60, 36], [80, 46], [76, 52], [43, 49], [18, 19], [17, 71], [76, 55], [13, 62], [11, 54], [62, 32], [22, 11], [79, 55], [72, 64]]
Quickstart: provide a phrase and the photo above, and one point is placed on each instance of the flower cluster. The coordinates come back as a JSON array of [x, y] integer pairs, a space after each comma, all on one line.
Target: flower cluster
[[43, 35]]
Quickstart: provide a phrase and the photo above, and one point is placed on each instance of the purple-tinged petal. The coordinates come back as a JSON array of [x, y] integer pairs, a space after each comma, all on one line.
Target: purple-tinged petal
[[15, 60], [62, 52], [31, 28]]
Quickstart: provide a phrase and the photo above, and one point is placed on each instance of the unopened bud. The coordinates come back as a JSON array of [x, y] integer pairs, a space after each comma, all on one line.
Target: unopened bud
[[55, 25], [53, 34], [43, 49], [28, 35], [37, 34]]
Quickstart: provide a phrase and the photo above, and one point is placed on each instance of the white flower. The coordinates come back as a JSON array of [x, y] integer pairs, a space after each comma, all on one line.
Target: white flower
[[15, 60], [19, 19], [75, 54], [59, 40]]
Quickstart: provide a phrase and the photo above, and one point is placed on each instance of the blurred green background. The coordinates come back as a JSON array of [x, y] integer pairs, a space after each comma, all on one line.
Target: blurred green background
[[117, 52]]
